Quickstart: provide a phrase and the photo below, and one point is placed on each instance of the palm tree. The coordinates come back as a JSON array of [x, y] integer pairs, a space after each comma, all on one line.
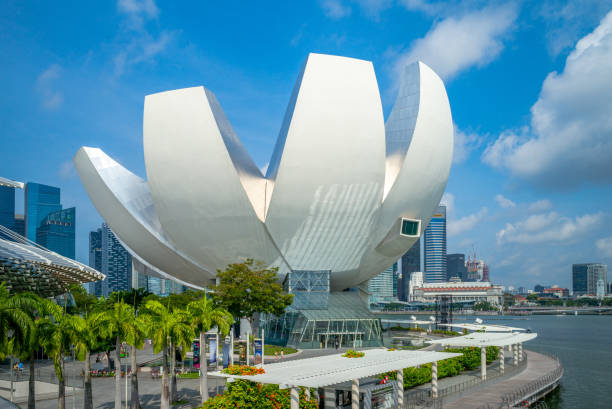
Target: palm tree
[[161, 324], [57, 332], [88, 329], [115, 322], [136, 331], [204, 315], [181, 335]]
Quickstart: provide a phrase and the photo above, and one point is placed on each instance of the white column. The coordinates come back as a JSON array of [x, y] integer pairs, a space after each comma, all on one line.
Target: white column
[[501, 360], [434, 379], [400, 389], [295, 398], [515, 354], [483, 363], [520, 351], [330, 398], [355, 394], [307, 392]]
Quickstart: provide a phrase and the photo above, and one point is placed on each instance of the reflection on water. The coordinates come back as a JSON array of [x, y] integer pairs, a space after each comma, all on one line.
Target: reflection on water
[[583, 343]]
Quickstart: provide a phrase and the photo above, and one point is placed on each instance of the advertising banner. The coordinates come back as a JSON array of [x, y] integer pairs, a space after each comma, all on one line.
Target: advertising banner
[[196, 354], [242, 353], [212, 348], [258, 351], [226, 353]]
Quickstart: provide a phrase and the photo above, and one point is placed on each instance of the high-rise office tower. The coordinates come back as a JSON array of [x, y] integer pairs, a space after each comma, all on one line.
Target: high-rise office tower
[[40, 201], [435, 247], [408, 264], [585, 278], [7, 206], [19, 224], [455, 266], [56, 232], [116, 263], [381, 286], [95, 259]]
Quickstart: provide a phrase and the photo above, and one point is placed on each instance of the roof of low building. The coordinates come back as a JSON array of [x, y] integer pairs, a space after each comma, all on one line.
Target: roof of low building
[[334, 369], [486, 339]]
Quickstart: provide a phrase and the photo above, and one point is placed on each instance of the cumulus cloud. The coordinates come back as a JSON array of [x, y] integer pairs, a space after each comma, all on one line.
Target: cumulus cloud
[[464, 144], [337, 9], [568, 142], [540, 206], [51, 98], [456, 44], [504, 202], [547, 228], [66, 170], [138, 11], [604, 246], [455, 227]]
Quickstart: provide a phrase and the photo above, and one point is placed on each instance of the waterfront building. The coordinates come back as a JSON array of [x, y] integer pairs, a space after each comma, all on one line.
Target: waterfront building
[[56, 232], [585, 278], [556, 291], [116, 263], [464, 292], [416, 281], [435, 247], [408, 264], [538, 288], [455, 266], [382, 288], [311, 211]]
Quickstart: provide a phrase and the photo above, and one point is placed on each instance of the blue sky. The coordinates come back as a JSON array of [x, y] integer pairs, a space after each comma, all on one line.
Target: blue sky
[[529, 85]]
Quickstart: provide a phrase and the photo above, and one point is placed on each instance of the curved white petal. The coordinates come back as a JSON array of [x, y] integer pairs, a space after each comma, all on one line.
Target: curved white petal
[[328, 167], [124, 202], [420, 147], [208, 194]]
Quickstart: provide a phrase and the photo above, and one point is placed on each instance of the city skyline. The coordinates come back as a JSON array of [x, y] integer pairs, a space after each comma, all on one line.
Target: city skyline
[[529, 219]]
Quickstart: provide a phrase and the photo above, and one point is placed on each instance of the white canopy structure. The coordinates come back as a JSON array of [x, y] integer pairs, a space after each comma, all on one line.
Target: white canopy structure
[[330, 370], [11, 183], [483, 327]]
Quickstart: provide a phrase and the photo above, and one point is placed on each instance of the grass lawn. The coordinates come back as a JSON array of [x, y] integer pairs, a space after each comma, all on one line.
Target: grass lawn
[[271, 349], [189, 375]]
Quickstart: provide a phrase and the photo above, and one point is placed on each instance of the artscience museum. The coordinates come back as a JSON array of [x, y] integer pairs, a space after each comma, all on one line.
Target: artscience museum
[[344, 196]]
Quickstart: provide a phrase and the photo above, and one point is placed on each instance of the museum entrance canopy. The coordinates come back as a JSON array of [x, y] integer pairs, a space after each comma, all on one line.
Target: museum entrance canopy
[[482, 327], [28, 267]]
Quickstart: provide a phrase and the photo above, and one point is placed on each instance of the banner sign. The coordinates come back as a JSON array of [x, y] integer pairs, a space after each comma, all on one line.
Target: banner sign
[[258, 351], [242, 357], [196, 354], [226, 353], [212, 348]]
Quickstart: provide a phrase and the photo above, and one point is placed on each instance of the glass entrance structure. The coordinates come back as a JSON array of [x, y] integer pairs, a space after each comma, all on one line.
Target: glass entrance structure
[[346, 323]]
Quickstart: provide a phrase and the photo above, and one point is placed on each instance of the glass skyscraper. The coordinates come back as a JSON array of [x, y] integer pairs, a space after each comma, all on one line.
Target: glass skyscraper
[[435, 247], [56, 232], [95, 259], [7, 207], [116, 263], [383, 287], [40, 201], [408, 264], [455, 266], [586, 276]]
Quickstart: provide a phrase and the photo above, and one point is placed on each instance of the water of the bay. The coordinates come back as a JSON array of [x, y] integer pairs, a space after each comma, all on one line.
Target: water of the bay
[[583, 343]]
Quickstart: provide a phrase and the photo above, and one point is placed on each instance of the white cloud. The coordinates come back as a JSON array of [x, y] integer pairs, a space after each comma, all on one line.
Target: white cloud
[[448, 200], [335, 8], [464, 144], [504, 202], [547, 228], [51, 98], [138, 11], [569, 140], [540, 206], [605, 246], [456, 44], [66, 170], [464, 224]]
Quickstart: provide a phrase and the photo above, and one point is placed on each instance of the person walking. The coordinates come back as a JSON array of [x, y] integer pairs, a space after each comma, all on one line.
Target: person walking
[[282, 354]]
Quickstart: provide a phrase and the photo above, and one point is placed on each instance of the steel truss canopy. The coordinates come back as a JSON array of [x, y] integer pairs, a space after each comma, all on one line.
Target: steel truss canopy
[[486, 339], [481, 327], [334, 369], [26, 267]]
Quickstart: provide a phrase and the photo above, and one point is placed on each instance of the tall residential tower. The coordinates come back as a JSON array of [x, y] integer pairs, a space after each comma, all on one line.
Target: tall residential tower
[[435, 247]]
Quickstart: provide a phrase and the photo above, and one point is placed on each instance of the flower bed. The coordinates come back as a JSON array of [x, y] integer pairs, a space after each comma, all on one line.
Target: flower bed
[[351, 353], [243, 370]]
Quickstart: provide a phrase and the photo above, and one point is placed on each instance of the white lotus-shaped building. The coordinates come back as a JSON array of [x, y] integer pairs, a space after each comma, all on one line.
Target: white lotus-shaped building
[[344, 191]]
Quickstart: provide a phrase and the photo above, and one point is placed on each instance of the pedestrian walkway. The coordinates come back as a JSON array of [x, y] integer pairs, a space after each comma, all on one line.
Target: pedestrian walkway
[[538, 365]]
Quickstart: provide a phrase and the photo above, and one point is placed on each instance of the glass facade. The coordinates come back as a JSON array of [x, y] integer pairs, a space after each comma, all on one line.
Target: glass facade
[[586, 276], [40, 201], [56, 232], [116, 263], [346, 322], [408, 264], [435, 247], [7, 207], [383, 287], [410, 227], [455, 266], [310, 289], [95, 259]]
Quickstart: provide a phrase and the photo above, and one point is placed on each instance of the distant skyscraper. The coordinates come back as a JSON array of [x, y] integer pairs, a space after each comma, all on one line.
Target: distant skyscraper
[[585, 278], [435, 247], [56, 232], [40, 201], [116, 263], [7, 207], [95, 259], [408, 264], [455, 266], [19, 224]]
